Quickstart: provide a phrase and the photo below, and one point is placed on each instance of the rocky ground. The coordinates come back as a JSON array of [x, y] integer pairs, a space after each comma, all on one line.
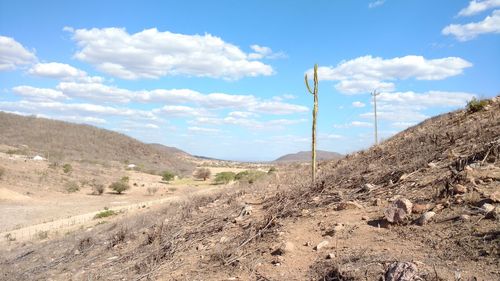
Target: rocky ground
[[423, 205]]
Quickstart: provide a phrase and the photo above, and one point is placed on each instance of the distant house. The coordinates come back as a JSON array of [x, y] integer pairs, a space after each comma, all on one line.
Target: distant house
[[39, 158], [131, 166]]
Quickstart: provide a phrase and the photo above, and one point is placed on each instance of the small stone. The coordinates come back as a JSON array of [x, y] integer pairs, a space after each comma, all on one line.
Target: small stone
[[398, 210], [486, 208], [307, 244], [223, 239], [438, 207], [402, 271], [378, 202], [330, 256], [432, 165], [420, 208], [464, 217], [459, 189], [425, 218], [495, 197], [77, 252], [322, 244], [365, 218], [349, 205]]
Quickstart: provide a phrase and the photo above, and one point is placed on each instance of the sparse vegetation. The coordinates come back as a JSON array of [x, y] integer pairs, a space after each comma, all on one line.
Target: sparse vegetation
[[120, 186], [272, 170], [104, 214], [125, 179], [43, 235], [152, 190], [475, 105], [67, 168], [97, 188], [167, 176], [250, 176], [72, 186], [202, 174], [224, 177], [2, 172]]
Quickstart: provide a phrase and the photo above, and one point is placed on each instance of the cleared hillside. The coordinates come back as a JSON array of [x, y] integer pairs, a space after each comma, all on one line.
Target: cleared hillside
[[304, 156], [335, 229], [63, 141]]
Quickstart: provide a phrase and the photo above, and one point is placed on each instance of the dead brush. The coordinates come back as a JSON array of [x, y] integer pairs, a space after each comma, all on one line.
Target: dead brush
[[118, 237]]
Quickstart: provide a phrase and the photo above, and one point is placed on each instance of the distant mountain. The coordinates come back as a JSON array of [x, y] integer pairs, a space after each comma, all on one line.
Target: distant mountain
[[304, 156], [63, 141]]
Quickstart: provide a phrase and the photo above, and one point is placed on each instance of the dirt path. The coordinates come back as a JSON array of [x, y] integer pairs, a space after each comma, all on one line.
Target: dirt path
[[61, 226]]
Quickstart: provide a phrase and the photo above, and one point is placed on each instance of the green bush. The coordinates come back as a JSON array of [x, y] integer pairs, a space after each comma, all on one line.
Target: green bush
[[272, 170], [167, 176], [119, 186], [104, 214], [67, 168], [249, 176], [125, 179], [2, 172], [224, 177], [475, 105], [72, 186]]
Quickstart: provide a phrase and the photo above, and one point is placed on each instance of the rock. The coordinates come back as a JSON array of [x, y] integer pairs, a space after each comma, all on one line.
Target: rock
[[398, 210], [378, 202], [246, 211], [367, 187], [330, 256], [77, 252], [459, 189], [349, 205], [402, 271], [425, 218], [365, 218], [420, 208], [284, 248], [438, 207], [464, 217], [322, 244], [495, 197], [486, 208], [223, 239], [432, 165]]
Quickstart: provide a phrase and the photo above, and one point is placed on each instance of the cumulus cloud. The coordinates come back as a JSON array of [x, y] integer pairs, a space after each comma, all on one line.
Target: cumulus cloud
[[358, 104], [56, 70], [95, 92], [364, 74], [465, 32], [408, 107], [476, 7], [375, 4], [152, 54], [180, 111], [247, 122], [42, 94], [13, 54]]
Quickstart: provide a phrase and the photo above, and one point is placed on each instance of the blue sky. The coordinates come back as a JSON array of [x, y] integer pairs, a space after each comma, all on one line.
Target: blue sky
[[225, 79]]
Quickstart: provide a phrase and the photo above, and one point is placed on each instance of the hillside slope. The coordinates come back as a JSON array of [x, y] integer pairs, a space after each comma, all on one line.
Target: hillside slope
[[63, 141], [336, 229], [304, 156]]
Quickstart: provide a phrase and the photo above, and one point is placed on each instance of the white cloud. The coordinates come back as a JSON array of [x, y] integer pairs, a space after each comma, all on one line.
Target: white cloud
[[42, 94], [13, 54], [476, 7], [95, 92], [376, 4], [179, 111], [242, 114], [361, 124], [409, 106], [262, 52], [245, 121], [153, 54], [203, 130], [465, 32], [358, 104], [56, 70], [364, 74]]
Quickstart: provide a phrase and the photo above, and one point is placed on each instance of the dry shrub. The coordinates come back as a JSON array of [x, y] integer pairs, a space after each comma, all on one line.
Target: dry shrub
[[152, 190]]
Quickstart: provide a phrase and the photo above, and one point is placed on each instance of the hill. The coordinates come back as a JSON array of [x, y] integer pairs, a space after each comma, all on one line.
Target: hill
[[304, 156], [63, 141], [446, 169]]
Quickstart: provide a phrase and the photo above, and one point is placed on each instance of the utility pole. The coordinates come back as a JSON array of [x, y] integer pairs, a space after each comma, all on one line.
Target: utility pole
[[375, 94]]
